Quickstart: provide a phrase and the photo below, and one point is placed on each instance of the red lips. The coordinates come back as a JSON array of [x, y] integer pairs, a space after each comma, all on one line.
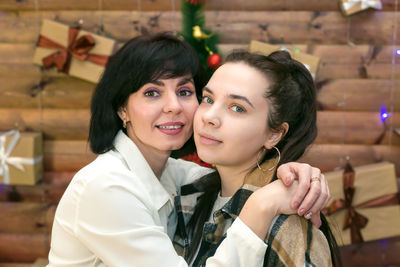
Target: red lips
[[171, 128]]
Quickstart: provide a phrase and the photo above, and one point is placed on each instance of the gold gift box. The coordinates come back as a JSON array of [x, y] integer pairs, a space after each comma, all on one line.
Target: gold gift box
[[371, 182], [350, 7], [29, 146], [83, 69], [310, 62]]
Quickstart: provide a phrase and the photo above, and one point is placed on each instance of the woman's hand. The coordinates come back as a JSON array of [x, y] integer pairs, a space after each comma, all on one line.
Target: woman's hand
[[279, 196], [312, 194], [266, 203]]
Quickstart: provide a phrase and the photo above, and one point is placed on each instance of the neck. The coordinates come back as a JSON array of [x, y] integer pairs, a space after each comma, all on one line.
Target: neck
[[156, 160], [154, 157], [232, 178]]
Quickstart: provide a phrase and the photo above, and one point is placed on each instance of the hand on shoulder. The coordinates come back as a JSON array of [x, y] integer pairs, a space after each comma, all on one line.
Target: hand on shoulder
[[266, 203], [312, 194]]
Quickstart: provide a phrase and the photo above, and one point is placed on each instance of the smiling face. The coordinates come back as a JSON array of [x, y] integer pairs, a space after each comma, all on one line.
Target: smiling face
[[230, 125], [160, 114]]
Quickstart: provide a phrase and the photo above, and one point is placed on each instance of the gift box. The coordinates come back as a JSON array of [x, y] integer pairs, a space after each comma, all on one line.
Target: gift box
[[73, 51], [310, 62], [21, 158], [350, 7], [364, 203]]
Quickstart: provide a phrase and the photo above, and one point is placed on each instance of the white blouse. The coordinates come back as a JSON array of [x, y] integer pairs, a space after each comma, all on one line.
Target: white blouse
[[115, 212]]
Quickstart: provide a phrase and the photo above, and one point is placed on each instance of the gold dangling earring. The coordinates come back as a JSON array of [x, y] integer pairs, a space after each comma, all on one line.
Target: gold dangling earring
[[258, 160], [124, 123], [277, 162], [273, 167]]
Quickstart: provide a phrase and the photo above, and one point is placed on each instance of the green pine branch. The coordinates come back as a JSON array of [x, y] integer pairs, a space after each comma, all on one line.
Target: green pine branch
[[193, 15]]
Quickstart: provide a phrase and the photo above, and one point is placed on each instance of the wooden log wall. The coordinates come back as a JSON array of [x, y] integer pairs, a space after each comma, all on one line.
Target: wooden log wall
[[358, 74]]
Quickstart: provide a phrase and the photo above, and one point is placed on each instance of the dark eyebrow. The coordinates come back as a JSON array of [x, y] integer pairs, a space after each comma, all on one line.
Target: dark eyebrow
[[181, 82], [232, 96], [185, 81], [208, 90], [241, 98], [157, 82]]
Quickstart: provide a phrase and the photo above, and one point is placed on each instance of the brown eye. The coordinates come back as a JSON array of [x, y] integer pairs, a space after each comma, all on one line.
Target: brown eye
[[151, 93], [185, 92]]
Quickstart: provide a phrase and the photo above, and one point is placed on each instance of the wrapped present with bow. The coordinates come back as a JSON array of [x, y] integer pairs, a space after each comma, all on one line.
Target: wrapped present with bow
[[350, 7], [309, 61], [21, 157], [72, 51], [365, 203]]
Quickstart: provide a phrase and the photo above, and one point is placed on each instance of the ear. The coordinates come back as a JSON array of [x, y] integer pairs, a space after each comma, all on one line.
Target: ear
[[275, 136], [122, 113]]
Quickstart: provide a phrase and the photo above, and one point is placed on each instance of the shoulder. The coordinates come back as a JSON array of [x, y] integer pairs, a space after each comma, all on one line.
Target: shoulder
[[284, 224], [107, 178], [293, 228], [106, 168], [108, 162], [294, 239]]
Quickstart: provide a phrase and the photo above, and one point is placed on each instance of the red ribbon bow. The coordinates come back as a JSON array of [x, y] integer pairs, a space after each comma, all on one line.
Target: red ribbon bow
[[354, 220], [78, 48]]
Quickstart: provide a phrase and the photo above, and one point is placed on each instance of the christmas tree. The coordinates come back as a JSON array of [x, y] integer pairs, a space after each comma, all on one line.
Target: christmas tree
[[203, 40]]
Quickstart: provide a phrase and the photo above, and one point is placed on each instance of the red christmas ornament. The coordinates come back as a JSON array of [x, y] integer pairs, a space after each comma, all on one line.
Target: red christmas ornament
[[195, 2], [213, 61]]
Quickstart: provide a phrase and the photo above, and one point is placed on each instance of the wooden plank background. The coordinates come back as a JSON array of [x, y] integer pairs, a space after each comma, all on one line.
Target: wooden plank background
[[358, 74], [235, 27], [162, 5]]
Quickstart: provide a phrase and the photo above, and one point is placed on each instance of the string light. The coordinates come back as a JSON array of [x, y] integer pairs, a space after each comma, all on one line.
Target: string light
[[101, 26], [139, 8], [393, 77], [173, 24], [384, 114], [345, 155]]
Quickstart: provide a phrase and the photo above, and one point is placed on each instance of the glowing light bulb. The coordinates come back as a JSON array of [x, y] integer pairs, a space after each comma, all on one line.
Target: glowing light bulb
[[384, 114]]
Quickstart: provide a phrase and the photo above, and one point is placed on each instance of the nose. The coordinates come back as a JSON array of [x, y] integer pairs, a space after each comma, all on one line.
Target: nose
[[210, 117], [172, 104]]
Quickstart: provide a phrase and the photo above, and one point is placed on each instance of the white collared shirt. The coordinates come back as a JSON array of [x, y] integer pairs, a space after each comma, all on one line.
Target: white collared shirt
[[115, 212]]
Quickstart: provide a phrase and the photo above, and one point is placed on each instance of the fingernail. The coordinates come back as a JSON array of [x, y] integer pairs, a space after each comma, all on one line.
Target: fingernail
[[301, 212], [289, 180]]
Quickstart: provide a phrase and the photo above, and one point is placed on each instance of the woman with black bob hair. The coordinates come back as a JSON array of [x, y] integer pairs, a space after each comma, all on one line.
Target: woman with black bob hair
[[141, 60], [119, 209], [257, 113]]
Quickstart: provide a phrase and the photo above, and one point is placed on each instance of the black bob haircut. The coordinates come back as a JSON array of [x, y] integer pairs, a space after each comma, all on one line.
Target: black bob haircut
[[141, 60]]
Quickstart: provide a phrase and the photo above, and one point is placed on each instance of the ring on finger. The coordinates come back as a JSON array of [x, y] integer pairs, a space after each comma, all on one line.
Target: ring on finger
[[315, 179], [308, 215]]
